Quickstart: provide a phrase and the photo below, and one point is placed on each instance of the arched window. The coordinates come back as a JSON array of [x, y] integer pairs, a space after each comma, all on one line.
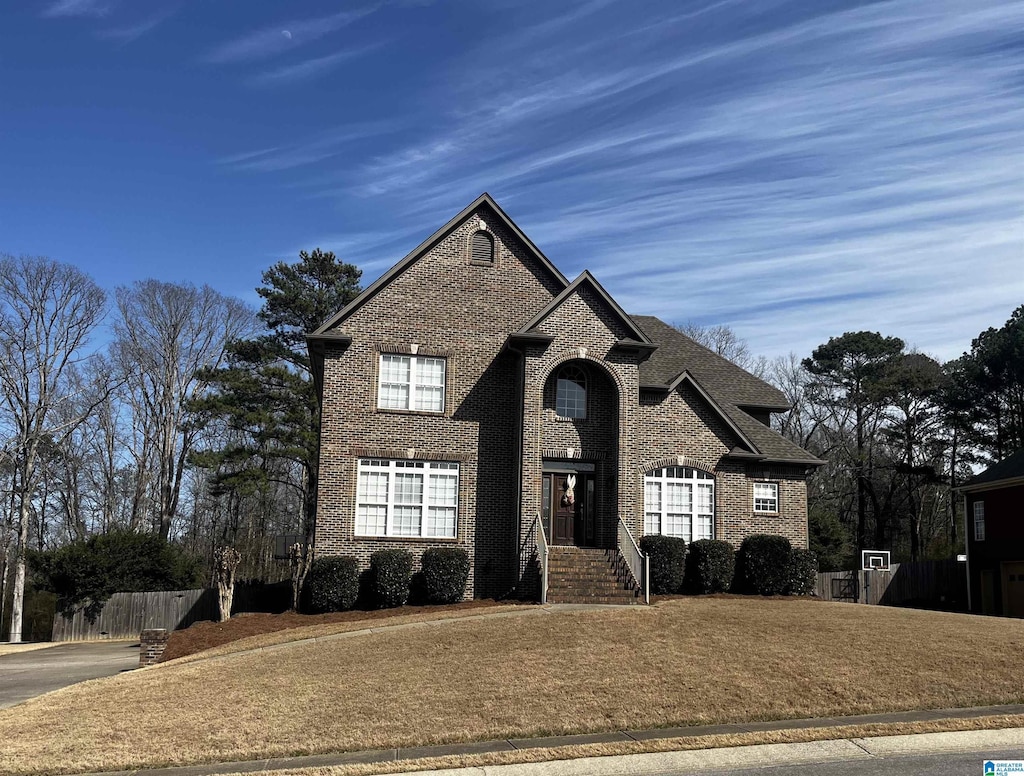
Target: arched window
[[679, 501], [571, 393], [483, 248]]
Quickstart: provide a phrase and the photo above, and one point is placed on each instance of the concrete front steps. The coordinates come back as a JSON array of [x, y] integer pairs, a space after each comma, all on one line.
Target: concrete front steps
[[585, 575]]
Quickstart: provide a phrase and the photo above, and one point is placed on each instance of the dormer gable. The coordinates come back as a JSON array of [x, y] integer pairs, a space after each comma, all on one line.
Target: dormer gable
[[631, 337]]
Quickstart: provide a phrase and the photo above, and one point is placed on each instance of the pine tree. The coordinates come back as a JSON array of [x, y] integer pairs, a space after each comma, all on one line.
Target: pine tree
[[266, 396]]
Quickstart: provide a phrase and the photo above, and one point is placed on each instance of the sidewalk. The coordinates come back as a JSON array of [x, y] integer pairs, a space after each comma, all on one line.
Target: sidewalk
[[1013, 737]]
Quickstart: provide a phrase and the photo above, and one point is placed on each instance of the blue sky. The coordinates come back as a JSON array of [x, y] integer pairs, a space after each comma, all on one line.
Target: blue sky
[[792, 169]]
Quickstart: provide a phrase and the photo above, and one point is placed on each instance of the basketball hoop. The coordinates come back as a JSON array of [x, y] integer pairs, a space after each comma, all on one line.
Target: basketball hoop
[[874, 560]]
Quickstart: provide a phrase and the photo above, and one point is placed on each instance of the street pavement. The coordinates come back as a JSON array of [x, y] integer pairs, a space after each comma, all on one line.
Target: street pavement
[[25, 675]]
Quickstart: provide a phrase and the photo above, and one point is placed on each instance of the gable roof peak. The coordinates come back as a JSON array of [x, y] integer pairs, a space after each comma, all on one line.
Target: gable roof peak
[[586, 278], [384, 280]]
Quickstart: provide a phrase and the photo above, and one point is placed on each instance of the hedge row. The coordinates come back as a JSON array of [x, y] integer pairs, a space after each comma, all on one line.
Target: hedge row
[[764, 565], [334, 584]]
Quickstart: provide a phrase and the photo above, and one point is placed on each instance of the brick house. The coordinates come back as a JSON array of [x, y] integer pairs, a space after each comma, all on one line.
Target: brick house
[[473, 396], [994, 516]]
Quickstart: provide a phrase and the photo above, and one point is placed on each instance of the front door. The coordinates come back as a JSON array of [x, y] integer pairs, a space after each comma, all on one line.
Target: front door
[[1013, 589], [566, 509], [568, 501]]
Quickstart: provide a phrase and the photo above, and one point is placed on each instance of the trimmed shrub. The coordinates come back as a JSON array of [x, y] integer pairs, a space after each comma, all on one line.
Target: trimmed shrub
[[710, 565], [803, 572], [390, 577], [668, 558], [332, 585], [445, 573], [763, 564]]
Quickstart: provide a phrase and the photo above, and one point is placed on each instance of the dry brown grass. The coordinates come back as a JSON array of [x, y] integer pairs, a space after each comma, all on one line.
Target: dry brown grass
[[802, 735], [692, 661]]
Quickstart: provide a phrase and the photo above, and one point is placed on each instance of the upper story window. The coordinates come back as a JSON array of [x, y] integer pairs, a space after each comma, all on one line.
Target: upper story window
[[571, 393], [766, 497], [679, 501], [407, 498], [411, 383], [979, 521], [482, 248]]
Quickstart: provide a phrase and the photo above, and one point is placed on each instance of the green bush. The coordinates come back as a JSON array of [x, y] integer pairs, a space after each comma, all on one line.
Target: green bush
[[710, 565], [445, 573], [667, 562], [390, 577], [803, 572], [332, 585], [86, 573], [763, 564]]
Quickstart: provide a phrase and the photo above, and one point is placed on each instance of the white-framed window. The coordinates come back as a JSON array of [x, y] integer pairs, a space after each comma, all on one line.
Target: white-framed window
[[766, 497], [407, 498], [679, 501], [979, 521], [411, 383], [571, 393]]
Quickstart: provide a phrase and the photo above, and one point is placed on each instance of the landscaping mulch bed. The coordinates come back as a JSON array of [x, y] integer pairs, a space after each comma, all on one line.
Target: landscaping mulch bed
[[205, 635]]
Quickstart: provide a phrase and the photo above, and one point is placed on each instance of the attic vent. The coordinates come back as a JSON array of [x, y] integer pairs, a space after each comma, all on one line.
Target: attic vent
[[483, 248]]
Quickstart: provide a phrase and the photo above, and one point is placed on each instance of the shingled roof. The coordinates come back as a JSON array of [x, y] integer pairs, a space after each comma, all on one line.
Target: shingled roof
[[677, 353], [731, 388], [771, 445], [1011, 468]]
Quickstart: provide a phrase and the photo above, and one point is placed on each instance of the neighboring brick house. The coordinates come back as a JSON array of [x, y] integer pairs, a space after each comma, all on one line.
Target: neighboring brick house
[[994, 517], [473, 392]]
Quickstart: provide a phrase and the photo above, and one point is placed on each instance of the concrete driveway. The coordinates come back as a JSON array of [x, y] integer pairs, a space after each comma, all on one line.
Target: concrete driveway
[[25, 675]]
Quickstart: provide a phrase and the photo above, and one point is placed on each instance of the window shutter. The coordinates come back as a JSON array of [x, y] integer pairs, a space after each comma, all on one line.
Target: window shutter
[[483, 248]]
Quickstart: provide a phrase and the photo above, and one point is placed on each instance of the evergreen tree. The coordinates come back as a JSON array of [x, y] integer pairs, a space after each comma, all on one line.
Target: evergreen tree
[[850, 378], [265, 397]]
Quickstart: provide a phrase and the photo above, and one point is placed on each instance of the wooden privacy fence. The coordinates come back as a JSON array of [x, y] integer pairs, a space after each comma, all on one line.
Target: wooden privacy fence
[[126, 615], [936, 584]]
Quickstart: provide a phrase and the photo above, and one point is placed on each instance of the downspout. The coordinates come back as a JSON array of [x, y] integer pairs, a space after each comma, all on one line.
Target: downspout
[[520, 398], [967, 552]]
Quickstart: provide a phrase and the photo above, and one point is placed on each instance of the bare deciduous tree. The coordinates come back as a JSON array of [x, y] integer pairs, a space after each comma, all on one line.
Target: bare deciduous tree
[[722, 340], [47, 312], [167, 335]]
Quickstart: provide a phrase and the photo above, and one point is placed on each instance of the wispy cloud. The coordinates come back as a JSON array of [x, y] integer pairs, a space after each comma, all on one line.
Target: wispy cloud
[[794, 175], [79, 8], [310, 68], [320, 147], [132, 32], [284, 37]]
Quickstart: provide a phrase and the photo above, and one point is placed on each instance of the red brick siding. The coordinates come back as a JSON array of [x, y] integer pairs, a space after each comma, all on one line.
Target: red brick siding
[[683, 424], [445, 305], [585, 330]]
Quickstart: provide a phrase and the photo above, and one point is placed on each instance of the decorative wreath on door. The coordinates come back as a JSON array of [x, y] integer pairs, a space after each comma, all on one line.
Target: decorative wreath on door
[[569, 496]]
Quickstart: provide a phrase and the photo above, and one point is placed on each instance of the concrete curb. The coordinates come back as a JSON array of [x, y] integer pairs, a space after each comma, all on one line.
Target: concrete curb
[[730, 759], [692, 759]]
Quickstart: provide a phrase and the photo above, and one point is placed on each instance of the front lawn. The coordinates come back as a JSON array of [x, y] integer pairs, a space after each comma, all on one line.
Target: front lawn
[[688, 661]]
